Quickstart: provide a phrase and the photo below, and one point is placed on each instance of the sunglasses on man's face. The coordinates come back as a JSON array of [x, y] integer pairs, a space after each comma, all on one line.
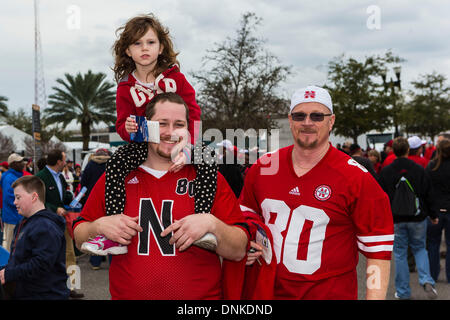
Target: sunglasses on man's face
[[314, 116]]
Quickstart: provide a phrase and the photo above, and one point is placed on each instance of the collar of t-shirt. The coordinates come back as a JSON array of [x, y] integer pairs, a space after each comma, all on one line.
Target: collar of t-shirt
[[150, 85], [156, 173]]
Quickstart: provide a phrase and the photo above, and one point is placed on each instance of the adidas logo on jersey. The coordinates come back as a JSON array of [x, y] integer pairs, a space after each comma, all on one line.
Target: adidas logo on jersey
[[133, 181], [295, 191]]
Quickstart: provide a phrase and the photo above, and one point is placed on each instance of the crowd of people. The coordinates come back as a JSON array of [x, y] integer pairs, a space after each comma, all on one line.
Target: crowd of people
[[416, 241], [418, 238], [181, 222]]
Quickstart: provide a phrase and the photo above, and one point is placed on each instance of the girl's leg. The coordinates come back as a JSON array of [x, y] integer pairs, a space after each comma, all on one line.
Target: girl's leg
[[122, 162], [205, 183]]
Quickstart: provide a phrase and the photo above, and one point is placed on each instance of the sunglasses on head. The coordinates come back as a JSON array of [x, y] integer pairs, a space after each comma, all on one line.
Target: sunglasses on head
[[314, 116]]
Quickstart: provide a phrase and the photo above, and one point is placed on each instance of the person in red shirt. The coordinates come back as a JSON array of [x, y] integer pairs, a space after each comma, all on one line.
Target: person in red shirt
[[429, 150], [390, 156], [415, 151], [159, 224], [322, 208], [145, 66]]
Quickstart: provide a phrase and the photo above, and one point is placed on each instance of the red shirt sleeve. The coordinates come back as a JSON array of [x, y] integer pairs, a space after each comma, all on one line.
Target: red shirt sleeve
[[194, 110], [187, 92], [124, 107], [373, 220], [226, 207], [248, 203], [94, 207]]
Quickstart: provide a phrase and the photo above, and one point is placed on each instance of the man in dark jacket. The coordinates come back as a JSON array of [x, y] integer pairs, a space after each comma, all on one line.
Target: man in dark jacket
[[37, 262], [230, 168], [357, 154], [56, 193], [93, 171], [410, 230]]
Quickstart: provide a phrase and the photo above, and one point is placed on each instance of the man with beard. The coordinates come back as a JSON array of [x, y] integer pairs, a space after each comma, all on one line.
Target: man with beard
[[159, 225], [321, 207]]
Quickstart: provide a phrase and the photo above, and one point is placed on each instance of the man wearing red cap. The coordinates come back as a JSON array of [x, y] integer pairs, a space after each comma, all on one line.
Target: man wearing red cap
[[4, 166], [390, 156]]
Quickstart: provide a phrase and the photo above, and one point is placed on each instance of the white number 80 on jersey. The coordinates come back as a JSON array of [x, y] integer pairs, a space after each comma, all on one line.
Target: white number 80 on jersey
[[294, 227]]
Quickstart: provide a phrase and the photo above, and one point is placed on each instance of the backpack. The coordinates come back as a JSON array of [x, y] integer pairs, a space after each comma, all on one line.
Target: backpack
[[405, 202]]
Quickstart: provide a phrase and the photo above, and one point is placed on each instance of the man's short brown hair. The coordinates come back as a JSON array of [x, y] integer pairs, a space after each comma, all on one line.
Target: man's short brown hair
[[31, 184], [53, 156], [163, 97], [400, 146]]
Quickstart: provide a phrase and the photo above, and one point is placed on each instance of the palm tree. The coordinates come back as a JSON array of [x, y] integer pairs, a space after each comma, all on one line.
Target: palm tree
[[87, 98], [20, 119], [3, 106]]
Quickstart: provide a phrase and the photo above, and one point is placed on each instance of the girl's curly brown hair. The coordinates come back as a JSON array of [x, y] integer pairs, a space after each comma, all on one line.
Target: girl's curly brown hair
[[133, 30]]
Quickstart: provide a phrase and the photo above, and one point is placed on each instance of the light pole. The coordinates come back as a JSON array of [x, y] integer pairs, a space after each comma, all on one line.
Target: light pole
[[392, 84]]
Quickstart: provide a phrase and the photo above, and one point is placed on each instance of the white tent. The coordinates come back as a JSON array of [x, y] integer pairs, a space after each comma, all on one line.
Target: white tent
[[55, 139], [74, 149], [17, 136]]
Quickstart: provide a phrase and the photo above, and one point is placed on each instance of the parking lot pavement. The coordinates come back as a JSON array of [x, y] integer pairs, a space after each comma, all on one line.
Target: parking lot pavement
[[417, 292], [94, 283]]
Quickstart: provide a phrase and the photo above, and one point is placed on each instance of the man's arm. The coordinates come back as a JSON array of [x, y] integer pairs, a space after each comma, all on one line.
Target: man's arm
[[377, 278], [231, 240]]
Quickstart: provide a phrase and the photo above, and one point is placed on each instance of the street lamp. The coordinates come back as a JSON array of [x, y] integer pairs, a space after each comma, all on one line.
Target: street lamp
[[392, 84]]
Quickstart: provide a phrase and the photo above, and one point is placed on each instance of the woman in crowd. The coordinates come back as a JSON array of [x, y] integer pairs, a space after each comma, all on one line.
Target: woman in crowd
[[439, 170]]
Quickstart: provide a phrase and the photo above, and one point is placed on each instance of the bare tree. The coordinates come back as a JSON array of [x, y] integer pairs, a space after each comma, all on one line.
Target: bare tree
[[7, 147], [45, 146], [238, 91]]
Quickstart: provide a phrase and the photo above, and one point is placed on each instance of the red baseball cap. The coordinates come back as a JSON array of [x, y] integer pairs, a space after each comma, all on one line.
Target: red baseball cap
[[389, 143]]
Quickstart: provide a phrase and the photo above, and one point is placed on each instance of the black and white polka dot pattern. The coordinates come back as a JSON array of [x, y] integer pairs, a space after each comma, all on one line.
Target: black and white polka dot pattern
[[205, 183], [127, 158], [130, 156]]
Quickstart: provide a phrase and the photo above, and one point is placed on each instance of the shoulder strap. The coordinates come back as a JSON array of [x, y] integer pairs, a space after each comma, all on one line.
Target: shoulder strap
[[409, 184]]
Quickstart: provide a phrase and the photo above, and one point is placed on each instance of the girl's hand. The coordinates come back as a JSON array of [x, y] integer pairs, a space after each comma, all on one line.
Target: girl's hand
[[130, 125], [179, 162], [181, 155]]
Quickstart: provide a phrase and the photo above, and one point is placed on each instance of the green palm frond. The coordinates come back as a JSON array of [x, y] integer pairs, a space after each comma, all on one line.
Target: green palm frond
[[86, 98]]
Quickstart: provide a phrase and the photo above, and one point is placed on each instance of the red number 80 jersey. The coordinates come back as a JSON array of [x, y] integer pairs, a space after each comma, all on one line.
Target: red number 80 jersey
[[320, 220]]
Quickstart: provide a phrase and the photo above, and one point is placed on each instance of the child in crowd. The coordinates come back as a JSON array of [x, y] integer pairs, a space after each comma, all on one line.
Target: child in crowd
[[37, 264], [146, 65]]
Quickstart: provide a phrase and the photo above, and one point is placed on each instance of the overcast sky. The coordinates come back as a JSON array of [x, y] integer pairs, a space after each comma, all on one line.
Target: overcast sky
[[303, 34]]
